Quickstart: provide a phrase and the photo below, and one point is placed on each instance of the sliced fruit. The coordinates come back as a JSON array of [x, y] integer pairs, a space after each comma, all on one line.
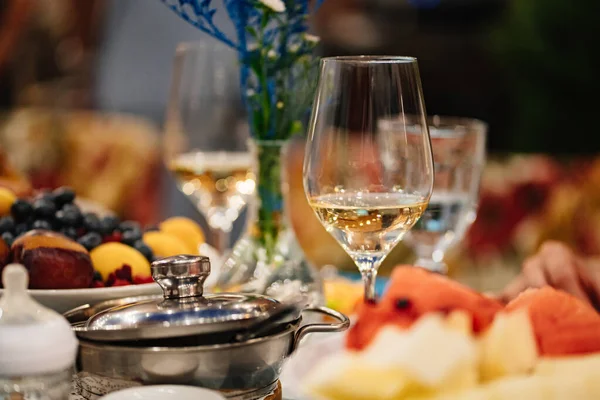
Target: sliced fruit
[[559, 387], [187, 230], [342, 295], [7, 198], [460, 321], [508, 347], [429, 351], [165, 245], [331, 380], [110, 257], [574, 365], [53, 260], [563, 324], [414, 292]]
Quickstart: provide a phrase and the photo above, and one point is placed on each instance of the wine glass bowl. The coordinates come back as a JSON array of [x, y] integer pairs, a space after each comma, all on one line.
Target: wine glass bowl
[[368, 195], [206, 135], [459, 156]]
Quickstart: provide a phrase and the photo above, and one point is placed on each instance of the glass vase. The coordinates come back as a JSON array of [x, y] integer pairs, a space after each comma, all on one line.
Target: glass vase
[[268, 259]]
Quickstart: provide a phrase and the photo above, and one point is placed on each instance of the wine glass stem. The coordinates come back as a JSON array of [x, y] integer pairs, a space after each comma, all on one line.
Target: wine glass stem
[[369, 278], [221, 240], [368, 265]]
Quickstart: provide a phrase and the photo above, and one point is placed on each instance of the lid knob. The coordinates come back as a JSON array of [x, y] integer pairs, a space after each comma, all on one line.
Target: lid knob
[[181, 276]]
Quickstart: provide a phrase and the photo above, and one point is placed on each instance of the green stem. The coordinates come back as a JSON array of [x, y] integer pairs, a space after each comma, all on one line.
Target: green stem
[[270, 208]]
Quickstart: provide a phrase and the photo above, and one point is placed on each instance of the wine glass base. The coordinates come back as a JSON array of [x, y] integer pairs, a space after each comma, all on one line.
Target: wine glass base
[[433, 266], [285, 275]]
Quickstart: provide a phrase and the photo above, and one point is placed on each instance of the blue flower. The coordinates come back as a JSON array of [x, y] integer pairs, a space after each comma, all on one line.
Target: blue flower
[[277, 64]]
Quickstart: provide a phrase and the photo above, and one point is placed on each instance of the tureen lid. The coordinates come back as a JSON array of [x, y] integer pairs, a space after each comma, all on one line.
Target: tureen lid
[[183, 310]]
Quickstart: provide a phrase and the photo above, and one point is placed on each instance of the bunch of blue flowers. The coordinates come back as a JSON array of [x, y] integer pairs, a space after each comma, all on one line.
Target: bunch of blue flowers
[[276, 55]]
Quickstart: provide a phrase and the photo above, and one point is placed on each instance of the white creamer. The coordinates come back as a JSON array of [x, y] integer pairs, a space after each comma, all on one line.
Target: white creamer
[[37, 346]]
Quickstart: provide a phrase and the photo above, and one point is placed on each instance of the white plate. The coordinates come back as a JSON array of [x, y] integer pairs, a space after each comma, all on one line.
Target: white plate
[[304, 359], [164, 392], [62, 300]]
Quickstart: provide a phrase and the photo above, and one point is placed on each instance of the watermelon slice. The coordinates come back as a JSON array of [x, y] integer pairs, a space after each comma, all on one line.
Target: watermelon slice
[[563, 324], [414, 292]]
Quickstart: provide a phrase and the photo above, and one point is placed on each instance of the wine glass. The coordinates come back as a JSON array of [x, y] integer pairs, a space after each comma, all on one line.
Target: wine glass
[[459, 157], [206, 135], [367, 195]]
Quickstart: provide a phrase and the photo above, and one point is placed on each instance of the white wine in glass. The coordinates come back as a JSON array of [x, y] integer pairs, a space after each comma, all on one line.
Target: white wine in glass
[[219, 183], [367, 195], [368, 224]]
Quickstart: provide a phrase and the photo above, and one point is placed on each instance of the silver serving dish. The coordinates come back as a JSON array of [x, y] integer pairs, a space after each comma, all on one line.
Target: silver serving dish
[[235, 343]]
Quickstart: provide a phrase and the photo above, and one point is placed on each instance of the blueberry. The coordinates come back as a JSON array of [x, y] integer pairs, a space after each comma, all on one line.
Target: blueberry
[[42, 224], [133, 230], [144, 249], [129, 225], [59, 217], [131, 237], [8, 238], [7, 224], [69, 232], [63, 195], [46, 196], [91, 222], [90, 240], [21, 210], [69, 216], [43, 208], [71, 208], [109, 224], [21, 228], [97, 276]]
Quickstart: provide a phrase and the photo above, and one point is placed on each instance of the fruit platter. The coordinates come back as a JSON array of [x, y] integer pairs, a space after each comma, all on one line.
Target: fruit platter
[[432, 338], [76, 254]]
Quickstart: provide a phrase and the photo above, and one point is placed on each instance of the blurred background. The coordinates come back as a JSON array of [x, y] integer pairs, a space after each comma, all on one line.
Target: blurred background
[[84, 87]]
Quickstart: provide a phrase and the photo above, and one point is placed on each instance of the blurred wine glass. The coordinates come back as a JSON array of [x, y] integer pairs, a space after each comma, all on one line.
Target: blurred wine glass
[[368, 196], [459, 157], [206, 135]]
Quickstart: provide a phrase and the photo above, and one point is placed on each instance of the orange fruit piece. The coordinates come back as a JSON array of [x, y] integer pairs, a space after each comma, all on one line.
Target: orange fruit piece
[[166, 245], [109, 257], [186, 230]]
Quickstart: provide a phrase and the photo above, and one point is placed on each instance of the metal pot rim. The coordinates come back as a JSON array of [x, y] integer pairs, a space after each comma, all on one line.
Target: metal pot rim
[[293, 327]]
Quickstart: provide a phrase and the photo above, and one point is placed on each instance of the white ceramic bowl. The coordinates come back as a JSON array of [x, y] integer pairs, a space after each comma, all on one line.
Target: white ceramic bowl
[[164, 392], [66, 299]]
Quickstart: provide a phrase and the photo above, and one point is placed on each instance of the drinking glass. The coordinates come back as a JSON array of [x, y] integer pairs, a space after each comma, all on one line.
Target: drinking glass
[[206, 135], [368, 195], [459, 157]]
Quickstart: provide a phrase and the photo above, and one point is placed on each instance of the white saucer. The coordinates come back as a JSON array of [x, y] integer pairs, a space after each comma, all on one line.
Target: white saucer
[[164, 392]]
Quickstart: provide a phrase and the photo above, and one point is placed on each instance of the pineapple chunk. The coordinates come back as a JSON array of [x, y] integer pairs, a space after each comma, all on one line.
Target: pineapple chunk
[[508, 347], [344, 377], [430, 352], [460, 321], [575, 365], [564, 387]]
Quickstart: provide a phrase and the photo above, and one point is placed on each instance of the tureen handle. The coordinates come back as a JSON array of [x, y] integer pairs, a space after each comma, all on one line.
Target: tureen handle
[[181, 276], [340, 326]]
